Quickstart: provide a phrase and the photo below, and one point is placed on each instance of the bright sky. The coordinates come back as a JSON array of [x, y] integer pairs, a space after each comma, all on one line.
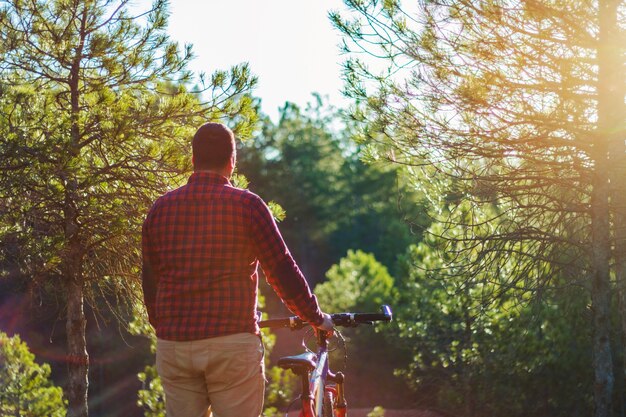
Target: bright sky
[[290, 45]]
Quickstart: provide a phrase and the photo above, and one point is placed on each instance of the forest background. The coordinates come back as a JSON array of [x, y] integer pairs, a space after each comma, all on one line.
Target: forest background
[[476, 185]]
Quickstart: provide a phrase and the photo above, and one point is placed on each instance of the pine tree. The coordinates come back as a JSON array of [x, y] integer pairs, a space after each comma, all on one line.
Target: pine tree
[[514, 108], [96, 119], [25, 387]]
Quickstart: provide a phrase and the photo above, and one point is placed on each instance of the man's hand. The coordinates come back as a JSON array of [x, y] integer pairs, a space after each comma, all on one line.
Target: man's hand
[[327, 324]]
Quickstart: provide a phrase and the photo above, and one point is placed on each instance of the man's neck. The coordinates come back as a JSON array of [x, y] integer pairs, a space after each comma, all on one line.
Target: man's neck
[[213, 171]]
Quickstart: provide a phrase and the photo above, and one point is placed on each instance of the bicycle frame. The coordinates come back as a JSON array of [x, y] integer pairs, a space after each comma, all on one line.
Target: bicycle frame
[[315, 387], [319, 398], [313, 396]]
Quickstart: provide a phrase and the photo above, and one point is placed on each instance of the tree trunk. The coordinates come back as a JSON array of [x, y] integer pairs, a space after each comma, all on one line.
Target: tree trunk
[[611, 114], [75, 325], [78, 359], [609, 107], [600, 295], [618, 208]]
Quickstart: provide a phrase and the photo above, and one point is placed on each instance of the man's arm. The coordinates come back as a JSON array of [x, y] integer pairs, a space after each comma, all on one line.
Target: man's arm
[[281, 270]]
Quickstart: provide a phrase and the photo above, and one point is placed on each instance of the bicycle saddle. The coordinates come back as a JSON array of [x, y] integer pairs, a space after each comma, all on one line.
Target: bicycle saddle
[[305, 361]]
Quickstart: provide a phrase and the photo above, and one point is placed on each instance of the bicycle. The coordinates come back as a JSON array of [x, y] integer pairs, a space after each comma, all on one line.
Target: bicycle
[[319, 398]]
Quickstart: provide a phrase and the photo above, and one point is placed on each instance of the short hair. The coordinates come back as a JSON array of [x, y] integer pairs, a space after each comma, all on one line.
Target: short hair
[[213, 145]]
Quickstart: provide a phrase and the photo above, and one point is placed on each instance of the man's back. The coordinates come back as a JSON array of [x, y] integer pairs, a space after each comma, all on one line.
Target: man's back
[[201, 248]]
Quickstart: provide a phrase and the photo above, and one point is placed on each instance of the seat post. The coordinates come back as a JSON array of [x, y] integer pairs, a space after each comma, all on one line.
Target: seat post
[[306, 390]]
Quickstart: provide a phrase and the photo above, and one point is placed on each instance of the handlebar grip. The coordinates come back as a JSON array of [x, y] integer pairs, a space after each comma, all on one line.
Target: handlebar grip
[[353, 319]]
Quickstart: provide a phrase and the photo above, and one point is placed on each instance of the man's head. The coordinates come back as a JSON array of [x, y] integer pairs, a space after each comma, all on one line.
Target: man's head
[[213, 148]]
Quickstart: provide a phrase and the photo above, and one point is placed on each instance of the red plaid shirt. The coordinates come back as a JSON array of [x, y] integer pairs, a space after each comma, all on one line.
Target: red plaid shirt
[[201, 247]]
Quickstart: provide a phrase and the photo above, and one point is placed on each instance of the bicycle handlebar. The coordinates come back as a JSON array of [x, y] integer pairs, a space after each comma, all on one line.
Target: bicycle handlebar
[[339, 319]]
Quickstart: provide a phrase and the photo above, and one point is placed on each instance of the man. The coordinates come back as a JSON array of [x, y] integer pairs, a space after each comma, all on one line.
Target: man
[[201, 247]]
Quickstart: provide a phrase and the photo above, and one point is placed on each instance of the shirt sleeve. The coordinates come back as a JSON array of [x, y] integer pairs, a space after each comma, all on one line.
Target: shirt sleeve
[[281, 271], [149, 277]]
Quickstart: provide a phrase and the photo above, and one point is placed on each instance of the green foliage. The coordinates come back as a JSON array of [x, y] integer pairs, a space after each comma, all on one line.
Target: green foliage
[[272, 412], [281, 389], [377, 411], [25, 386], [357, 283], [151, 396], [470, 349]]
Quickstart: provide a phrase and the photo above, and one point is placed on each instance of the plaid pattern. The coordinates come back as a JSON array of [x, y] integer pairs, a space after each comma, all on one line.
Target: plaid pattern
[[201, 247]]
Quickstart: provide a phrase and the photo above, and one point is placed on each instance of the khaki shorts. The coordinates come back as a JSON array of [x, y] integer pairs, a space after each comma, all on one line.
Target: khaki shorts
[[219, 377]]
